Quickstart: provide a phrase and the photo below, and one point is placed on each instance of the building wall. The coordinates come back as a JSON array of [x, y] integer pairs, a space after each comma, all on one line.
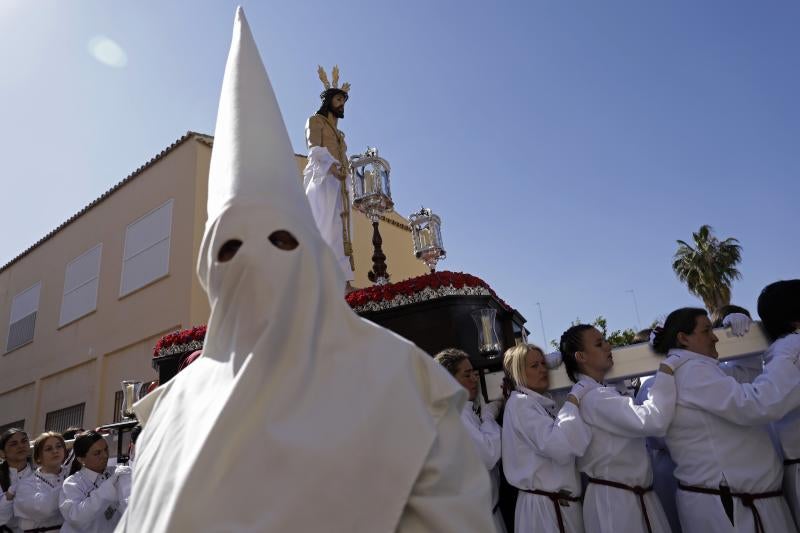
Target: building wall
[[84, 361], [66, 363]]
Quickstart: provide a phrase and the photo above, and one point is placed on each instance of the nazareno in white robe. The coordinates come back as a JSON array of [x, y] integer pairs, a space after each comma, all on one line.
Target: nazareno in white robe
[[90, 501], [787, 430], [325, 198], [718, 436], [618, 453], [539, 451], [486, 435], [36, 500], [7, 517], [299, 415], [664, 483]]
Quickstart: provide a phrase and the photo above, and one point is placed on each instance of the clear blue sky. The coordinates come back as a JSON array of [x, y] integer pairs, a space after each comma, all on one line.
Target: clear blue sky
[[566, 145]]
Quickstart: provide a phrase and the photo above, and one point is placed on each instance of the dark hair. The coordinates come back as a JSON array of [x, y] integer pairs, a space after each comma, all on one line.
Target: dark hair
[[5, 474], [682, 320], [643, 335], [327, 98], [135, 433], [571, 342], [451, 358], [83, 441], [70, 433], [726, 310], [779, 306]]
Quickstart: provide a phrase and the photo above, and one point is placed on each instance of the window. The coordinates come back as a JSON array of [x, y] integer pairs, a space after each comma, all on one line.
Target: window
[[80, 286], [18, 424], [23, 317], [146, 254], [63, 419]]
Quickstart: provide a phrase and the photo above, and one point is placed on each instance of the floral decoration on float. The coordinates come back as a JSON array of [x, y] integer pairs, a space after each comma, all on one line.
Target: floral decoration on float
[[187, 340], [420, 289]]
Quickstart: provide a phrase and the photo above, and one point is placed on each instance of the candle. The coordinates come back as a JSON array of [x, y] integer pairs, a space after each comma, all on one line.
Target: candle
[[369, 182], [425, 238], [487, 331]]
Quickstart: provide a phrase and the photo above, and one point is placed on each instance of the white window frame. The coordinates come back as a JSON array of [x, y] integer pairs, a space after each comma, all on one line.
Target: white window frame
[[167, 238], [61, 321]]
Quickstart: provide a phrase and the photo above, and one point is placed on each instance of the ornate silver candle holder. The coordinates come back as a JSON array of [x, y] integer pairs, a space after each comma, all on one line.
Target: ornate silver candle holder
[[426, 234]]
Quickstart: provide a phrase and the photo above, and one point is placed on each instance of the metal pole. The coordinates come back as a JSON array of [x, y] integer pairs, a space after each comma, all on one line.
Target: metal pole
[[636, 308], [541, 321]]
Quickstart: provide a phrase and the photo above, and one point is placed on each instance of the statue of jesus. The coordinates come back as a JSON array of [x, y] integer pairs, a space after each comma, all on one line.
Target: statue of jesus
[[325, 175]]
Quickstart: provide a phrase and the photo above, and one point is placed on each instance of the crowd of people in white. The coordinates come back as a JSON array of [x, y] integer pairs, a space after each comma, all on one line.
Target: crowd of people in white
[[702, 447], [57, 491]]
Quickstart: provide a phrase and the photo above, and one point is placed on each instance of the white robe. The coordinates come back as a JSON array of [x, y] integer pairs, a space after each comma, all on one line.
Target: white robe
[[718, 435], [664, 483], [90, 502], [324, 194], [299, 415], [486, 435], [539, 450], [36, 502], [787, 430], [744, 370], [618, 453], [7, 517]]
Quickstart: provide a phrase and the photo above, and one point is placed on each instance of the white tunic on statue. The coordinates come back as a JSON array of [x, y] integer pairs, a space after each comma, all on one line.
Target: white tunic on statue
[[36, 502], [324, 194], [7, 517], [539, 450], [90, 501], [787, 430], [486, 435], [718, 436], [618, 453]]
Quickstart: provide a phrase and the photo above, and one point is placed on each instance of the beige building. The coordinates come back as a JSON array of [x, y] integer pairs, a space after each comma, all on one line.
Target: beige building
[[82, 308]]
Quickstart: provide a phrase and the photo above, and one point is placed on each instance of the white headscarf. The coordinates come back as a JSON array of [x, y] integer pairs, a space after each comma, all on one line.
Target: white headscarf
[[299, 415]]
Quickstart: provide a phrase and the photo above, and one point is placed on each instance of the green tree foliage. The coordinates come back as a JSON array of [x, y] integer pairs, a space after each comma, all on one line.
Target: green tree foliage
[[616, 338], [709, 267]]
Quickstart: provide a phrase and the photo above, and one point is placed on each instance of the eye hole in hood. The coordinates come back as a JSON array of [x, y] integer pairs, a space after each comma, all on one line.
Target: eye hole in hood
[[228, 250], [283, 240]]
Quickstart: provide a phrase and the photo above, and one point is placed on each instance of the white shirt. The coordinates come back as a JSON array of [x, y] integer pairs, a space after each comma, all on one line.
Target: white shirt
[[617, 451], [540, 446], [90, 502], [36, 502], [711, 438], [486, 437], [788, 427], [7, 517], [744, 370]]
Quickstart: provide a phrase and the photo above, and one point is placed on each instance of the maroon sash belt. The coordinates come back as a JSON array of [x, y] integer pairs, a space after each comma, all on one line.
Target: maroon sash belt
[[748, 500], [558, 499], [43, 529], [639, 491]]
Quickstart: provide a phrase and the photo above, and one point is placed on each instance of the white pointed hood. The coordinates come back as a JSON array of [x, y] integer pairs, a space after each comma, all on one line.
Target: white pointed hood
[[296, 403], [252, 161]]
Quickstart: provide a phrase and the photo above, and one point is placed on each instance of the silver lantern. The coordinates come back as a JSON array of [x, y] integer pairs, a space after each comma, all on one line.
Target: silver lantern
[[426, 234], [372, 195], [372, 192], [488, 341]]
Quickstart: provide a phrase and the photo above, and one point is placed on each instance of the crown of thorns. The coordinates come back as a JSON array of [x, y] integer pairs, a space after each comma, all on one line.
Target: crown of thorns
[[332, 88]]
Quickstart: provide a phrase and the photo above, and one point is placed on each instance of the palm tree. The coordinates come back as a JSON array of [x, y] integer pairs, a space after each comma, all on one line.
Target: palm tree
[[708, 268]]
